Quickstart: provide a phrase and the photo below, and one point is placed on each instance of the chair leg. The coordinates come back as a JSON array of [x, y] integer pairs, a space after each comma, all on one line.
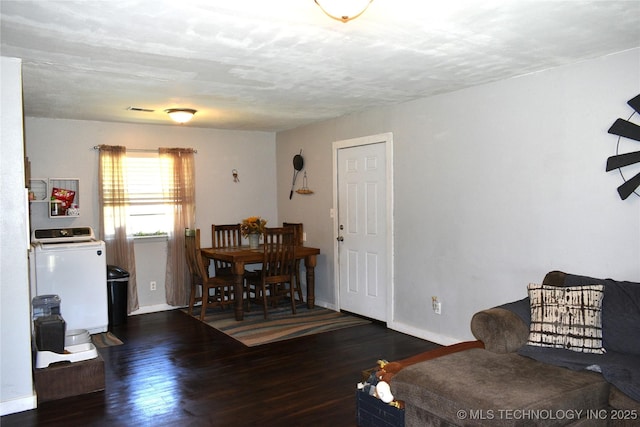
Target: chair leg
[[291, 294], [298, 282], [264, 299], [274, 294], [226, 297], [251, 289], [192, 299], [205, 301], [247, 296]]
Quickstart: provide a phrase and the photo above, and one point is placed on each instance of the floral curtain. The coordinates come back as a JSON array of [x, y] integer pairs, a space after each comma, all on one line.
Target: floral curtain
[[113, 215], [179, 188]]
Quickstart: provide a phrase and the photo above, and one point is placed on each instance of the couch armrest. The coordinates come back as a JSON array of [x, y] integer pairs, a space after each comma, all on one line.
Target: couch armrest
[[500, 330]]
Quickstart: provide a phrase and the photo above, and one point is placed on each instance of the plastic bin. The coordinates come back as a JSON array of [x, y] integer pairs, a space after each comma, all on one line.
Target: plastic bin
[[117, 289], [50, 333], [45, 305]]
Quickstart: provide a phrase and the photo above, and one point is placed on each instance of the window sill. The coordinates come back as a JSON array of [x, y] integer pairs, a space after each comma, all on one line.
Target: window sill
[[151, 238]]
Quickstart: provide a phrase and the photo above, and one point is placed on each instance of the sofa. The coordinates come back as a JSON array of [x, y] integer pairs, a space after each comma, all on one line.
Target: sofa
[[567, 354]]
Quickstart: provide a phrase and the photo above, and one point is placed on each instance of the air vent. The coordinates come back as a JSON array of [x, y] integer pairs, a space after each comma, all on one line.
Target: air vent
[[143, 110]]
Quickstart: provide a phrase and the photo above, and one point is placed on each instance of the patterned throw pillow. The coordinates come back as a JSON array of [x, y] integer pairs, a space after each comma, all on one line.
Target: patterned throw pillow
[[566, 317]]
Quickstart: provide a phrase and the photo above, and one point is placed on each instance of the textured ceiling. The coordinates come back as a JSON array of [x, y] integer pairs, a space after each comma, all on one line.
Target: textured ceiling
[[274, 65]]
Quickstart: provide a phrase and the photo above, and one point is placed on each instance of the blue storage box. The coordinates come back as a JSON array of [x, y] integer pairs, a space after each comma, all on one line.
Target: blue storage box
[[373, 412]]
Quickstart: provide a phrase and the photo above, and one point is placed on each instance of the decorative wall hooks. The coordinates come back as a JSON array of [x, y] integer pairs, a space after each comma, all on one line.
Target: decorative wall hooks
[[626, 129], [304, 189], [235, 175], [298, 164]]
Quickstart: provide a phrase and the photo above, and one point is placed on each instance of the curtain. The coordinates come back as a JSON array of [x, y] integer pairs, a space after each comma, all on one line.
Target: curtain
[[179, 173], [113, 216]]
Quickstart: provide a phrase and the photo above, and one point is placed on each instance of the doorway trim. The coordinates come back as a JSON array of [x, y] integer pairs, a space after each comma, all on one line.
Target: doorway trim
[[387, 140]]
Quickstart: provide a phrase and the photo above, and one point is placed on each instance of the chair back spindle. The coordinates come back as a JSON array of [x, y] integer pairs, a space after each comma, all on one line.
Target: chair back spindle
[[224, 236], [279, 253]]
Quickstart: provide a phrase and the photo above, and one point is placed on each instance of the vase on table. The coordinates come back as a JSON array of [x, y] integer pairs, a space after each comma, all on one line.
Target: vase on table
[[254, 240]]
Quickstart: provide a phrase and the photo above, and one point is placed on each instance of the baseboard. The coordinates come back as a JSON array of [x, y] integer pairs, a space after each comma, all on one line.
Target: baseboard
[[420, 333], [153, 309], [326, 305], [18, 405], [165, 307], [405, 329]]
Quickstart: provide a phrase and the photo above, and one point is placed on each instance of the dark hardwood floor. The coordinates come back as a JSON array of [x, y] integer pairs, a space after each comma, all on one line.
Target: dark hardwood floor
[[174, 370]]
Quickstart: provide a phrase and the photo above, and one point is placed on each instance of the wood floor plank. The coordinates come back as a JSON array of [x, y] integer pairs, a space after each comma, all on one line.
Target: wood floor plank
[[174, 370]]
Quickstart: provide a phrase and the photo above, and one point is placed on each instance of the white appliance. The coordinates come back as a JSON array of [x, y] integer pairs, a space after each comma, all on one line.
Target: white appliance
[[71, 263]]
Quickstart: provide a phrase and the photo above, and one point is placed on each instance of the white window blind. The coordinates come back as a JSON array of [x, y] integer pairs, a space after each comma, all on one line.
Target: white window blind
[[149, 212]]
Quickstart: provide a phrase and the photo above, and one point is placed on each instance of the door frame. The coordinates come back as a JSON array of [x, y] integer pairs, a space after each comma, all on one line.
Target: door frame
[[387, 139]]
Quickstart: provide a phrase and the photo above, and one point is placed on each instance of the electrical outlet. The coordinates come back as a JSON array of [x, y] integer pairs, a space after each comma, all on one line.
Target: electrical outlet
[[304, 236], [436, 305], [152, 285]]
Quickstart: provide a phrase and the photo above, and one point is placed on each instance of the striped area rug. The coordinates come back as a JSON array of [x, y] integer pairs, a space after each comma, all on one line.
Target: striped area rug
[[105, 339], [281, 325]]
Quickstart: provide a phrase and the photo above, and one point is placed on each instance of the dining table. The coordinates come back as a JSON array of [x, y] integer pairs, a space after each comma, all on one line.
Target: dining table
[[240, 256]]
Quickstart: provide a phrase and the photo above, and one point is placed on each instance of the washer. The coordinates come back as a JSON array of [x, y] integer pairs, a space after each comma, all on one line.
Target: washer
[[71, 263]]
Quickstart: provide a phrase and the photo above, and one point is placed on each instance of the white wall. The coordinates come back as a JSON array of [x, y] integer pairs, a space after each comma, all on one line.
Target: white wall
[[494, 186], [16, 385], [64, 148]]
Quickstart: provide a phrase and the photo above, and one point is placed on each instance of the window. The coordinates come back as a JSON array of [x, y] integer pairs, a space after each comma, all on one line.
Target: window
[[133, 191], [149, 212]]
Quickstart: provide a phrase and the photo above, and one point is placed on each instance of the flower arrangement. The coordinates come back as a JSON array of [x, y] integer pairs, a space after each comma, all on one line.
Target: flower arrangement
[[252, 225]]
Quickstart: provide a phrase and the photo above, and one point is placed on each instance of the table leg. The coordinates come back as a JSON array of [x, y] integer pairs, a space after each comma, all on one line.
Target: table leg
[[238, 289], [310, 264]]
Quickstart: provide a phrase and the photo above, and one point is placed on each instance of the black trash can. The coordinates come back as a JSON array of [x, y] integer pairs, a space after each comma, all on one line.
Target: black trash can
[[117, 289]]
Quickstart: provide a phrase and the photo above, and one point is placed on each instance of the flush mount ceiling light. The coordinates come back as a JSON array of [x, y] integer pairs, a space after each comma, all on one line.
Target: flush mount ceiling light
[[181, 115], [343, 10]]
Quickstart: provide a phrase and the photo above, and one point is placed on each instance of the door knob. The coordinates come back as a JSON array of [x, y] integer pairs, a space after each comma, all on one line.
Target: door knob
[[340, 239]]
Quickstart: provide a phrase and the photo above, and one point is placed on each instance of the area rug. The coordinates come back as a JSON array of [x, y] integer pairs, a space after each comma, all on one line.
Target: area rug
[[281, 325], [105, 339]]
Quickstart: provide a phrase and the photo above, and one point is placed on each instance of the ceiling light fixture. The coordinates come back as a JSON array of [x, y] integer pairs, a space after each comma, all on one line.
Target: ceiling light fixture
[[181, 115], [343, 10]]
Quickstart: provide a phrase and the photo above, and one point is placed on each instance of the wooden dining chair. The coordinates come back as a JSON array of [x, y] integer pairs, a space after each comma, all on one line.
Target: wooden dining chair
[[299, 229], [276, 277], [222, 286], [224, 236]]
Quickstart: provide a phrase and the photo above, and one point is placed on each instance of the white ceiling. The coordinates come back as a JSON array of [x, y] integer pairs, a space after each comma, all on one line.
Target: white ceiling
[[275, 65]]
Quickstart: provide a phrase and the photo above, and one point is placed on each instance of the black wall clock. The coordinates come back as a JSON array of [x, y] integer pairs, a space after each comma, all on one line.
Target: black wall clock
[[629, 130]]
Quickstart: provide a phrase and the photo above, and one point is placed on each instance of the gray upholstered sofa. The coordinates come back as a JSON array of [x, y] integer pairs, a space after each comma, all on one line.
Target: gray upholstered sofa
[[511, 382]]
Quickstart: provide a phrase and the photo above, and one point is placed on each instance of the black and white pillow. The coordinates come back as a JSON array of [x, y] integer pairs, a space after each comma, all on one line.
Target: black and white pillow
[[566, 317]]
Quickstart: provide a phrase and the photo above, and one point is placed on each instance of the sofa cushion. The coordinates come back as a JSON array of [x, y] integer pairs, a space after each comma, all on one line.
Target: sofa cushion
[[491, 383], [620, 312], [566, 317], [620, 400], [619, 369]]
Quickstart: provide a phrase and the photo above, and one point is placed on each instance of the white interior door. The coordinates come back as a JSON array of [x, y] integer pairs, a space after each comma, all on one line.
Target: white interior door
[[363, 228]]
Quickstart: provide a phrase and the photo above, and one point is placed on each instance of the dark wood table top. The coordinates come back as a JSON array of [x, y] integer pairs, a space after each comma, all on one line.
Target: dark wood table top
[[247, 255]]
